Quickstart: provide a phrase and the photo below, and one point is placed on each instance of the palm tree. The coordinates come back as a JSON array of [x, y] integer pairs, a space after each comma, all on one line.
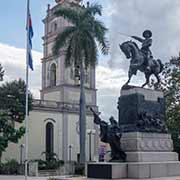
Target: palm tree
[[81, 41]]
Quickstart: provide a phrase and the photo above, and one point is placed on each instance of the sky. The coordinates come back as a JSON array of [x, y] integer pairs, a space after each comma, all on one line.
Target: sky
[[131, 17]]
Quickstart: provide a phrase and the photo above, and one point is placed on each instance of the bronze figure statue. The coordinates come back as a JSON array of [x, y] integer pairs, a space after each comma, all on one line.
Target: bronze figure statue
[[142, 59], [111, 134]]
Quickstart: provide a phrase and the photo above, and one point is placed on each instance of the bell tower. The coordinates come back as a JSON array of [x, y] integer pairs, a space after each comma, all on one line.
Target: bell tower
[[59, 83]]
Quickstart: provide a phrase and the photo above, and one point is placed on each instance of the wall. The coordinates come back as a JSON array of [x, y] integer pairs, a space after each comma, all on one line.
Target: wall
[[37, 126], [53, 96], [73, 135], [66, 128]]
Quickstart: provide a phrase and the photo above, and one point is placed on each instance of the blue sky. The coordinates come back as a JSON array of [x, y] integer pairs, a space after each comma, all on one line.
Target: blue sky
[[13, 21]]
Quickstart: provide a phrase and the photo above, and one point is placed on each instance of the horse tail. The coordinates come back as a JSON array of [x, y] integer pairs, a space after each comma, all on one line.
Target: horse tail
[[161, 65]]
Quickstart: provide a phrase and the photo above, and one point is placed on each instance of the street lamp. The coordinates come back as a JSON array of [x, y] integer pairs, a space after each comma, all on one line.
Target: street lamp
[[21, 153], [90, 132], [70, 151]]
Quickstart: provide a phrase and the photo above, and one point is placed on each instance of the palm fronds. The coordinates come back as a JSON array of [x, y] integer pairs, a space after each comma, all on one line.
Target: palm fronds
[[83, 38]]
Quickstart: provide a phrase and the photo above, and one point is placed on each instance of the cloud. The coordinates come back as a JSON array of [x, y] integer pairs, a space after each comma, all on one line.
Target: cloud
[[109, 78], [13, 61], [134, 16], [108, 82]]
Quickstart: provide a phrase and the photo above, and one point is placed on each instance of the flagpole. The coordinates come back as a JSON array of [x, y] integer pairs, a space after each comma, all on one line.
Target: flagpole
[[27, 89]]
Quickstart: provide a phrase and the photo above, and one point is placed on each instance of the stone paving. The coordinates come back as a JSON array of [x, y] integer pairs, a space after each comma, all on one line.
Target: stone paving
[[21, 178], [74, 178], [29, 178], [84, 178]]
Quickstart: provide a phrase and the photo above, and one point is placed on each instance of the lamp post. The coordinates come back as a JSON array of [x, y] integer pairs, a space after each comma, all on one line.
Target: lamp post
[[90, 133], [21, 153], [70, 152]]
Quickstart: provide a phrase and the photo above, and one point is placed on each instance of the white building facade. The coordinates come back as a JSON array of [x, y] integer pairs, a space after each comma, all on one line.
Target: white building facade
[[54, 121]]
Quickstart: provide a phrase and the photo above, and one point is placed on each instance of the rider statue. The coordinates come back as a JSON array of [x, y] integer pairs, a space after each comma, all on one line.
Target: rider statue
[[142, 59], [146, 44]]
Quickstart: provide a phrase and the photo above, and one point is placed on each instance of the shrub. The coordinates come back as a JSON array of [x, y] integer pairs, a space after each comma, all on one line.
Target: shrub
[[50, 164], [10, 167], [41, 164], [79, 169]]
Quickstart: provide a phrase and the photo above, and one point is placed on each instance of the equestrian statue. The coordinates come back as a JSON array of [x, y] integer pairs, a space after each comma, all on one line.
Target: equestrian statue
[[142, 59]]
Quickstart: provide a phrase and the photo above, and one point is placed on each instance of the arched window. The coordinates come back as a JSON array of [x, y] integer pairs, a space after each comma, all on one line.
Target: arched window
[[53, 75], [55, 26], [49, 139]]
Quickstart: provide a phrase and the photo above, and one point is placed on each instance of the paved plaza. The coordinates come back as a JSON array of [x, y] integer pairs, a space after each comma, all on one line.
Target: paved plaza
[[29, 178], [74, 178], [21, 178]]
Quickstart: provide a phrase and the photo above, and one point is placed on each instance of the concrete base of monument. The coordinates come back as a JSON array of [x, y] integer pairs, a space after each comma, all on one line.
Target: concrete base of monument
[[151, 156], [107, 170], [136, 170], [142, 170]]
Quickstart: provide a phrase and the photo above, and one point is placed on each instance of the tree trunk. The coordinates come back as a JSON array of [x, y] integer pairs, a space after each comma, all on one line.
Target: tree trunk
[[82, 118]]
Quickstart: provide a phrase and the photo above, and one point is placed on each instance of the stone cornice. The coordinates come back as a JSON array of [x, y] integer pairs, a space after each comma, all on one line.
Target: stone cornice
[[50, 57], [53, 106], [55, 88]]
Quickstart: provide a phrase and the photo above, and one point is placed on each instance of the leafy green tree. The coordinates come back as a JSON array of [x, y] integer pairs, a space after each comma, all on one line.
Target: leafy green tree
[[12, 110], [81, 41], [170, 85], [172, 93]]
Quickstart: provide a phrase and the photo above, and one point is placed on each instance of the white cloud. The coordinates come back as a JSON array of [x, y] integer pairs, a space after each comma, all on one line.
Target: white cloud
[[13, 61], [108, 82], [109, 78]]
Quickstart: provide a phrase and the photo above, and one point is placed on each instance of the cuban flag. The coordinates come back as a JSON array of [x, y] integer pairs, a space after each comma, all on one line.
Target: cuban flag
[[30, 34]]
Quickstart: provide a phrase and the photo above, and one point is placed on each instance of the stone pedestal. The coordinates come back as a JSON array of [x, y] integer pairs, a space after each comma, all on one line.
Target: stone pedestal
[[134, 170], [150, 155], [148, 147], [145, 139]]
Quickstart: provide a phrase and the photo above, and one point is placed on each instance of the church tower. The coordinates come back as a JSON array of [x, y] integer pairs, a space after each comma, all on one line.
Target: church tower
[[59, 83]]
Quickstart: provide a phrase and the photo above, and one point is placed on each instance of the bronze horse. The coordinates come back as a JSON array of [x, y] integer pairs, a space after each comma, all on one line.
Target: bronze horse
[[132, 51]]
